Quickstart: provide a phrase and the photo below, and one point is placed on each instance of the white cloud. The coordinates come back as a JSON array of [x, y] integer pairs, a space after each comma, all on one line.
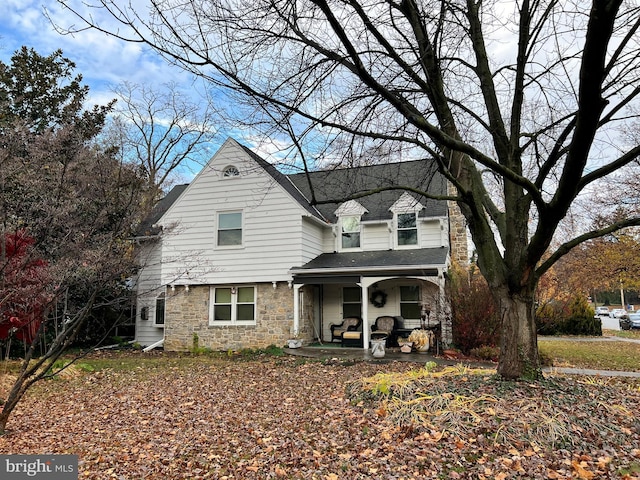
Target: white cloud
[[102, 60]]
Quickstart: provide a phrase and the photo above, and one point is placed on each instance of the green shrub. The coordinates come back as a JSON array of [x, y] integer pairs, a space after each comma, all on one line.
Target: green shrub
[[582, 326], [573, 317]]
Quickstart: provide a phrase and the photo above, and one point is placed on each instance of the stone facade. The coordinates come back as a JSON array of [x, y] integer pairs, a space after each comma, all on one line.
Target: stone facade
[[459, 243], [187, 320]]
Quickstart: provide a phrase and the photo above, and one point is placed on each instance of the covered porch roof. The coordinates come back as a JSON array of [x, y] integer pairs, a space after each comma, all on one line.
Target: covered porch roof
[[366, 269], [337, 267]]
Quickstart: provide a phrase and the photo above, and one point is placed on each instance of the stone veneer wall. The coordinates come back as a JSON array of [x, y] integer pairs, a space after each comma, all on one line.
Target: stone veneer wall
[[187, 313], [459, 244]]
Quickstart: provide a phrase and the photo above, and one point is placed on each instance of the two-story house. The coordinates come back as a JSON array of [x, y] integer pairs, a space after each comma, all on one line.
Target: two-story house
[[245, 256]]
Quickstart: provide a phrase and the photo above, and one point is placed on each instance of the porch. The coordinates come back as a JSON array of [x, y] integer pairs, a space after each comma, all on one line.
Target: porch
[[407, 284], [329, 353]]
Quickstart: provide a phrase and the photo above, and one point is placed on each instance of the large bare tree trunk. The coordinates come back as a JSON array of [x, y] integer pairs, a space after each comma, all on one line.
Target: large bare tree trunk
[[519, 357]]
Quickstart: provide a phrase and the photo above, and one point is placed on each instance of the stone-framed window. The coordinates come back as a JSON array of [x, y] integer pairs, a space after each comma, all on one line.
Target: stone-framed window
[[229, 232], [231, 305]]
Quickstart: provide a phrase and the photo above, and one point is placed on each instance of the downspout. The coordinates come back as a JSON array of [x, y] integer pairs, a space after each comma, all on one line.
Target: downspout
[[296, 309]]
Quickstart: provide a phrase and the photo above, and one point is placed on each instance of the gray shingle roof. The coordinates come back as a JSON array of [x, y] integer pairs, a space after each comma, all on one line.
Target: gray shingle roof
[[402, 259], [146, 227], [389, 181], [386, 179]]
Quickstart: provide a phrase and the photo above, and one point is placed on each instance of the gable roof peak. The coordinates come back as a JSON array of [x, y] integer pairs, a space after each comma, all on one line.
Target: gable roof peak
[[406, 203], [350, 207]]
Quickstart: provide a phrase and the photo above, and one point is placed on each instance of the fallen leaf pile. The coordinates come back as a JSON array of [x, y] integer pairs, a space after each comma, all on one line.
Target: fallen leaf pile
[[280, 418]]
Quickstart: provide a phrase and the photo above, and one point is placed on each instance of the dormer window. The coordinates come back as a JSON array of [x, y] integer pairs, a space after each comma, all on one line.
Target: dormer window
[[230, 171], [350, 224], [405, 212], [350, 227], [407, 229]]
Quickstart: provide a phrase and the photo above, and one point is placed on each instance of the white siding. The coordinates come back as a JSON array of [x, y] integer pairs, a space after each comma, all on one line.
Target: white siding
[[272, 226], [430, 234], [376, 237], [313, 235], [148, 288]]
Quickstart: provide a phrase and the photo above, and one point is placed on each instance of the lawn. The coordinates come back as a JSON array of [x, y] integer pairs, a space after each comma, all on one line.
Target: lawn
[[167, 416], [593, 353]]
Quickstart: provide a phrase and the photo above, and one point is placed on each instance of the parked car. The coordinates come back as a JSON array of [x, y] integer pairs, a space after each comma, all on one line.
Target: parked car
[[604, 311], [617, 313], [634, 320], [625, 322]]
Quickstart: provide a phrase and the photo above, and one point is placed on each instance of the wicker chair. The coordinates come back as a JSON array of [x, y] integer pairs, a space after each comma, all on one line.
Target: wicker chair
[[348, 324], [385, 326]]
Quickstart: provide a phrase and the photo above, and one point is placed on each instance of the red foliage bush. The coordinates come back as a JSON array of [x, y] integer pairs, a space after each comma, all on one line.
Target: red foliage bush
[[475, 319], [24, 288]]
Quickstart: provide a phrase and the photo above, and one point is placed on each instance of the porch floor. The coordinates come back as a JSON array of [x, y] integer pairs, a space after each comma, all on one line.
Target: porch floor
[[330, 351]]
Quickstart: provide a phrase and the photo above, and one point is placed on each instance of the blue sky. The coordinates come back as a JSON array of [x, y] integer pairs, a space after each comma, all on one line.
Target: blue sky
[[102, 61]]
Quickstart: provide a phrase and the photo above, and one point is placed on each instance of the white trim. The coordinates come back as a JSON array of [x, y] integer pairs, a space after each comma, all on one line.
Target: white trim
[[242, 228], [230, 168], [234, 304]]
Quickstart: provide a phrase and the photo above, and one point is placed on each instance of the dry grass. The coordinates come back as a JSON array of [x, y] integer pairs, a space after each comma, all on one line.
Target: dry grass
[[593, 353]]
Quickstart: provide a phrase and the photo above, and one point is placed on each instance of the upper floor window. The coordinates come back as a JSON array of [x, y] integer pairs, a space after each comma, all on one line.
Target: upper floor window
[[350, 231], [231, 171], [233, 305], [407, 229], [229, 229]]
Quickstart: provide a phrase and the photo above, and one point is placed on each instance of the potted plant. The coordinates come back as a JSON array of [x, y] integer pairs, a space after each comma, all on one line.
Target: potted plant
[[294, 342], [420, 339], [405, 345]]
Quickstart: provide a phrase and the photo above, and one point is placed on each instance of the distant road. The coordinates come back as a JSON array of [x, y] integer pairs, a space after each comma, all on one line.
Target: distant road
[[609, 323]]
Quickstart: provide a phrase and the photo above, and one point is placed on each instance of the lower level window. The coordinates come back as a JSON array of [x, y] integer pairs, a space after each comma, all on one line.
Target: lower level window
[[230, 305], [159, 319], [410, 302]]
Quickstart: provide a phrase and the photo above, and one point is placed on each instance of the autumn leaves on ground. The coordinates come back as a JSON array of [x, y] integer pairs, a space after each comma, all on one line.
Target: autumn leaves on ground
[[171, 417]]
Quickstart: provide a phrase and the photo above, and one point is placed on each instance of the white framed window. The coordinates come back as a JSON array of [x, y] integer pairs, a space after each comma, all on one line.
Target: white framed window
[[351, 302], [229, 229], [230, 172], [410, 305], [349, 225], [232, 305], [350, 231], [160, 310], [407, 228]]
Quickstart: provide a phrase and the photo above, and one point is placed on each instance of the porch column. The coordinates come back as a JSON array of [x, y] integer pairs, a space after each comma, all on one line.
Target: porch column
[[296, 308], [365, 283], [364, 287]]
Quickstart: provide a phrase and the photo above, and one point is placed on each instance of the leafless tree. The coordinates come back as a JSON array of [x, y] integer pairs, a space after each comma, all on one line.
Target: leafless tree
[[528, 95], [76, 206], [160, 130]]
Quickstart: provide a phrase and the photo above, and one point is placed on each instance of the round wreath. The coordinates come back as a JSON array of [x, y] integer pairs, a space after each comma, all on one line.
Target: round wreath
[[378, 298]]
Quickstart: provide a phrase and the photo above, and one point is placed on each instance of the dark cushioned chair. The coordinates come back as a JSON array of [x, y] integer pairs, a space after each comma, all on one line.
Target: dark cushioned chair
[[348, 324], [385, 326]]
